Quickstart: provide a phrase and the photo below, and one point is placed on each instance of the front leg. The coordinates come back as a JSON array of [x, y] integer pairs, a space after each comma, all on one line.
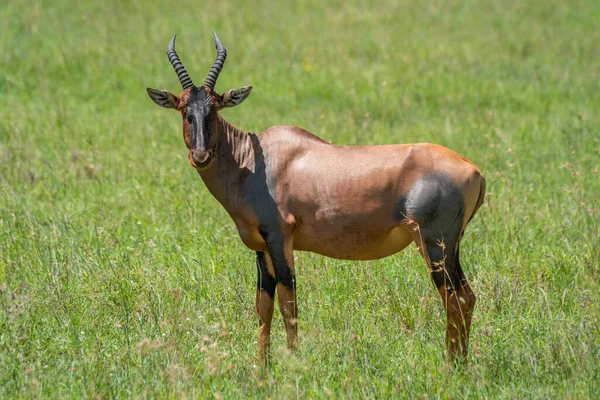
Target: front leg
[[265, 293], [286, 294], [282, 257]]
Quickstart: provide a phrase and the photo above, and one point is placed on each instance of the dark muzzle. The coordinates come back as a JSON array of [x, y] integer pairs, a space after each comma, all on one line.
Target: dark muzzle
[[200, 158]]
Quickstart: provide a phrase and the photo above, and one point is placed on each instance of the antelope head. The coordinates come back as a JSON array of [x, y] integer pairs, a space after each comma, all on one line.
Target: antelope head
[[199, 105]]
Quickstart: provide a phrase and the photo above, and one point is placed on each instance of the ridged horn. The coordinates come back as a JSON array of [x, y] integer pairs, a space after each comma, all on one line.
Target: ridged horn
[[182, 74], [213, 74]]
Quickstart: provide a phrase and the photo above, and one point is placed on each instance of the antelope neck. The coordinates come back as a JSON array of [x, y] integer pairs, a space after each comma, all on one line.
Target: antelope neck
[[234, 160]]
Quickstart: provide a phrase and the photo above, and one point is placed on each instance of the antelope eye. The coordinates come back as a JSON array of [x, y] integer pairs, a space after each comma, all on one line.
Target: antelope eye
[[189, 118]]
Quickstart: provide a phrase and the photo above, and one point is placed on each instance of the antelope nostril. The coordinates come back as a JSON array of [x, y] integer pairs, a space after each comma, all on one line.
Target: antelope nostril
[[201, 158]]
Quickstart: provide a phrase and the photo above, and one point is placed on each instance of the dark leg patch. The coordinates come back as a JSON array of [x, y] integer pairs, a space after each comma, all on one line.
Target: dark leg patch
[[283, 272], [436, 204], [264, 281], [443, 267]]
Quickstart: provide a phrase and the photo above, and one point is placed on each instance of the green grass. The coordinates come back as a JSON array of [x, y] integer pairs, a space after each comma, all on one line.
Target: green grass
[[120, 276]]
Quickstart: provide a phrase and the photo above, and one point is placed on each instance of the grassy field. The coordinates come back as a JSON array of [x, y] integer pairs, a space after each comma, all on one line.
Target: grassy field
[[120, 276]]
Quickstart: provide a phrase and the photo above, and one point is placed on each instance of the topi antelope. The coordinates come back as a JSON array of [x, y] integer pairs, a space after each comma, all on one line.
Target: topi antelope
[[286, 189]]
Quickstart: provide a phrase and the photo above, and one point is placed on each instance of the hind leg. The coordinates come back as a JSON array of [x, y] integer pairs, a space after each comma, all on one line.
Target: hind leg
[[469, 294], [441, 254], [435, 208]]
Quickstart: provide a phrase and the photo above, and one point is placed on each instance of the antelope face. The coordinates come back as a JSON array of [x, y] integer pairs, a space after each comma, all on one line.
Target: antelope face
[[199, 105], [198, 114]]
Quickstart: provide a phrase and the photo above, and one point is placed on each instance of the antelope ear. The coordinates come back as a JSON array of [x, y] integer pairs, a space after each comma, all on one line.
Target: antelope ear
[[163, 98], [233, 97]]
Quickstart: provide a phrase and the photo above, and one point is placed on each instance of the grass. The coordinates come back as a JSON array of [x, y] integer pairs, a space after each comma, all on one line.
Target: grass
[[120, 276]]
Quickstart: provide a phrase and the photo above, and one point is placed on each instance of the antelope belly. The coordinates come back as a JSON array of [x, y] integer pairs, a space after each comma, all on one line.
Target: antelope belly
[[354, 245]]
